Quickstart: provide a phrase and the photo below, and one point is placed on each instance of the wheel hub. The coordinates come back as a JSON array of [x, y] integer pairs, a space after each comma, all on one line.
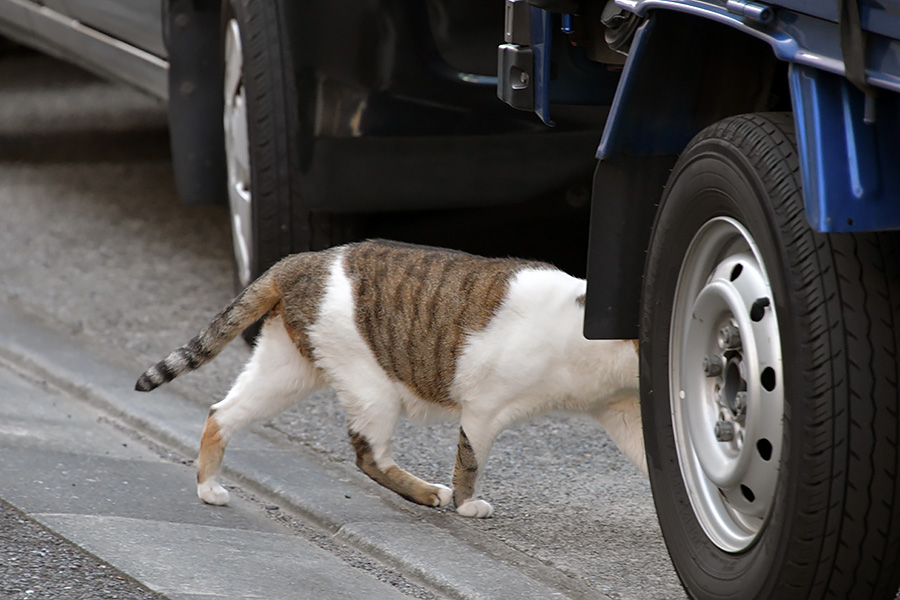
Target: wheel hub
[[725, 370]]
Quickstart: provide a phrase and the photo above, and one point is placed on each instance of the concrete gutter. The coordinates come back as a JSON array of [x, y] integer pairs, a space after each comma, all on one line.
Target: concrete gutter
[[348, 507]]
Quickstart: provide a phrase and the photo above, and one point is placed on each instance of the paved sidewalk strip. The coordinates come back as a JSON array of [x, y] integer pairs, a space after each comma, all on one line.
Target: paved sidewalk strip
[[66, 468], [452, 566]]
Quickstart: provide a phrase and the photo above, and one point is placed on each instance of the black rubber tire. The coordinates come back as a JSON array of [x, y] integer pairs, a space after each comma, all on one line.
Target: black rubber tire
[[833, 529], [279, 129]]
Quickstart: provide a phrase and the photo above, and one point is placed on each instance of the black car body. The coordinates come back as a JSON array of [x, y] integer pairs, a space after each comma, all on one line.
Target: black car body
[[365, 106]]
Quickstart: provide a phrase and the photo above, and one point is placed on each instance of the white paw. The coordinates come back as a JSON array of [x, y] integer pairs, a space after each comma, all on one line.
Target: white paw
[[475, 508], [444, 495], [212, 493]]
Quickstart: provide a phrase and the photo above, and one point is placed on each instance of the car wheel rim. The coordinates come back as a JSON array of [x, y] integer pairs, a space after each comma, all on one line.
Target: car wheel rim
[[237, 152], [726, 384]]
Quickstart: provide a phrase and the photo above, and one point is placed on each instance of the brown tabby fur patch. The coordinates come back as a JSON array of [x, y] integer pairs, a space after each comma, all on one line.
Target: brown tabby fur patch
[[302, 279], [415, 306]]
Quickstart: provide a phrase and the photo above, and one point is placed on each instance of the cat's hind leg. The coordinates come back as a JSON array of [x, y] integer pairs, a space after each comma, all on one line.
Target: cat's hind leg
[[370, 434], [276, 377]]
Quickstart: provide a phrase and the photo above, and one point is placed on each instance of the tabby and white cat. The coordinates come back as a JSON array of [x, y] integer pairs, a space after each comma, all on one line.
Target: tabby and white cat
[[398, 329]]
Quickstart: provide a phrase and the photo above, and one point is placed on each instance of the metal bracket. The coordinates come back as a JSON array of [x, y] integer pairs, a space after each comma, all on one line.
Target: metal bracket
[[517, 28], [515, 76], [515, 59]]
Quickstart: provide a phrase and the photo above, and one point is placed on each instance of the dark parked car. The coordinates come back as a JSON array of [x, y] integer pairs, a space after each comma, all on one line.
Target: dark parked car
[[302, 115]]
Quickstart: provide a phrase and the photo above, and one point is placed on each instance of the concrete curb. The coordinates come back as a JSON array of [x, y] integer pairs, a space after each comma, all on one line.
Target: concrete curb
[[452, 566]]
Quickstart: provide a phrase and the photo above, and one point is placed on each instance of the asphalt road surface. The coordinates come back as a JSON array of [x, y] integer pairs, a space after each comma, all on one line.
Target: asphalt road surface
[[97, 245], [35, 563]]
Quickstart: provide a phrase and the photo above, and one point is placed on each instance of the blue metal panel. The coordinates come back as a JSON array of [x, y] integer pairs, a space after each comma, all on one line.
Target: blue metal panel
[[621, 133], [850, 170], [570, 78], [803, 39], [682, 74]]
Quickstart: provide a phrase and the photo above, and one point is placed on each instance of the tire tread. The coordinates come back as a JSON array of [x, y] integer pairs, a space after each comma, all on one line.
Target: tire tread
[[846, 533]]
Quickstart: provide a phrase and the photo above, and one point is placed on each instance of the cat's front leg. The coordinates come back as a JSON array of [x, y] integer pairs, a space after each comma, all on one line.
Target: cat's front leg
[[465, 478]]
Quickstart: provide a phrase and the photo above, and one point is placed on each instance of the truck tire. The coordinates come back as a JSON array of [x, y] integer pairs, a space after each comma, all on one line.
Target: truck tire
[[265, 131], [769, 379]]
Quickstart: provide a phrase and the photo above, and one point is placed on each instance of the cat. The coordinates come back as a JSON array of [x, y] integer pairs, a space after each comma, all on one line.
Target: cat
[[401, 329]]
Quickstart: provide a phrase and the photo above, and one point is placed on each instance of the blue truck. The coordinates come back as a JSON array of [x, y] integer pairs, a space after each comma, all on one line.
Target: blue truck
[[743, 219]]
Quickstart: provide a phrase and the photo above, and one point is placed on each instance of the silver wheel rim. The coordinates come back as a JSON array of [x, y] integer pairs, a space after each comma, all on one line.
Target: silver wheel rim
[[237, 152], [725, 373]]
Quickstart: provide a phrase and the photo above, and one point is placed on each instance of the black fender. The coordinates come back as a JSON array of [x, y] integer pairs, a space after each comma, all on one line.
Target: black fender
[[626, 194]]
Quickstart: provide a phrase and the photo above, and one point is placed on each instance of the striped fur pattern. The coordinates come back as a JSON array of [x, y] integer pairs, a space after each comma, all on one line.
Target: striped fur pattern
[[400, 330], [430, 297]]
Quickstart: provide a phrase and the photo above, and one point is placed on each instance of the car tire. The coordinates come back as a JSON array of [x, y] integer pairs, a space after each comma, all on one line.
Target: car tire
[[769, 379], [266, 133]]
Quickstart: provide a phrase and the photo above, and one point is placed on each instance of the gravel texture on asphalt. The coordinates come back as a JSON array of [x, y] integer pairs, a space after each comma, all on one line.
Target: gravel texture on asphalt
[[37, 564]]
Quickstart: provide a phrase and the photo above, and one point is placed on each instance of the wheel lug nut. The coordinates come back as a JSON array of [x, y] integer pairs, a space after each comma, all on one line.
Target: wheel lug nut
[[712, 365], [724, 431], [729, 338]]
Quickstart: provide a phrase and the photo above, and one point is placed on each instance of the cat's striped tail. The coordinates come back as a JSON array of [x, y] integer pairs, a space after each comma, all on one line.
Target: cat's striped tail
[[250, 305]]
